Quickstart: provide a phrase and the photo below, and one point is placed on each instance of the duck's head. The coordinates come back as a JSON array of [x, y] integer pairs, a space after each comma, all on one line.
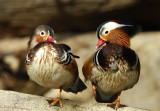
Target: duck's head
[[42, 33], [116, 32]]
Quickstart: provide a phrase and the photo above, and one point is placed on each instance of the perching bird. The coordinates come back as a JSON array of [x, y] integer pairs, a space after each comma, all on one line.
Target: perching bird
[[114, 67], [52, 65]]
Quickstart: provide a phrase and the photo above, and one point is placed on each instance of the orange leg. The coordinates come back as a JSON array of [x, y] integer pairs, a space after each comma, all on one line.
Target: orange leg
[[94, 89], [58, 99], [116, 102]]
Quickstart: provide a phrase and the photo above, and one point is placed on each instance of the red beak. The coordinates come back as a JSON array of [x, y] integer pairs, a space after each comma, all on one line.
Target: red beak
[[100, 43], [50, 39]]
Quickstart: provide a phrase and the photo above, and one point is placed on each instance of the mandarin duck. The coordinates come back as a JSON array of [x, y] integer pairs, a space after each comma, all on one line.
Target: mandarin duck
[[114, 66], [52, 65]]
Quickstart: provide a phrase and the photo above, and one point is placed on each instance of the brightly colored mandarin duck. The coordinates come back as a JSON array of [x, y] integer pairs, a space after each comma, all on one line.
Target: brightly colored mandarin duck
[[114, 67], [52, 65]]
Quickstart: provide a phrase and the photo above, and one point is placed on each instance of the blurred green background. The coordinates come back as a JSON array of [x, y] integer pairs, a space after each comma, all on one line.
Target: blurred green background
[[75, 23]]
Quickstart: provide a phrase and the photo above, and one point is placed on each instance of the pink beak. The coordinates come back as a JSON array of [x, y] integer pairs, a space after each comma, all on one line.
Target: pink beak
[[100, 43], [50, 39]]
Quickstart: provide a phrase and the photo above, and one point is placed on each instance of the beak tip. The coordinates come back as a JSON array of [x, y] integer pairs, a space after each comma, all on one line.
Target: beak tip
[[54, 41]]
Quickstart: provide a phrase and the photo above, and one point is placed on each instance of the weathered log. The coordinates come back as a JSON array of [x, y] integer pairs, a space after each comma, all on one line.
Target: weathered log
[[10, 100]]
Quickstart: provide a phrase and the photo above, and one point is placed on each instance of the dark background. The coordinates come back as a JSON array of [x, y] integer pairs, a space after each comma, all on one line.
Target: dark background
[[20, 17]]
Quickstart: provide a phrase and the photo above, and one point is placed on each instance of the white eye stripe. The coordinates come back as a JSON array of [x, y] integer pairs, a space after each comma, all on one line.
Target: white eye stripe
[[110, 26]]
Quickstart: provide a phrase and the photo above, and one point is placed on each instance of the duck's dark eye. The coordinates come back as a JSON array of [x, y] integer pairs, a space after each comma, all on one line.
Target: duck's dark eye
[[42, 33], [106, 32]]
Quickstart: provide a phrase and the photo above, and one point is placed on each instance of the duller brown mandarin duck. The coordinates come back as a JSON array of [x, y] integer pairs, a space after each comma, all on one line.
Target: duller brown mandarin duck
[[52, 65], [114, 67]]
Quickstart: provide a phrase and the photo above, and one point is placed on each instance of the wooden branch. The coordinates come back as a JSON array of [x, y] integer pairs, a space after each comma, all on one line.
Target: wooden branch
[[10, 100]]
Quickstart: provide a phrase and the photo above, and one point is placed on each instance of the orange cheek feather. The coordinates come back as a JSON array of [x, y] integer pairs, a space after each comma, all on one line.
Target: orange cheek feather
[[39, 39], [119, 37]]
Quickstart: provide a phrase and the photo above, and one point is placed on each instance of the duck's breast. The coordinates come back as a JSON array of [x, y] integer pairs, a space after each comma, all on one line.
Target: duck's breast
[[45, 68]]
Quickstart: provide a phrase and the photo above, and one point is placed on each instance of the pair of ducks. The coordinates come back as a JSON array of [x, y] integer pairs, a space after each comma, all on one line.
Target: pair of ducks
[[114, 67]]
